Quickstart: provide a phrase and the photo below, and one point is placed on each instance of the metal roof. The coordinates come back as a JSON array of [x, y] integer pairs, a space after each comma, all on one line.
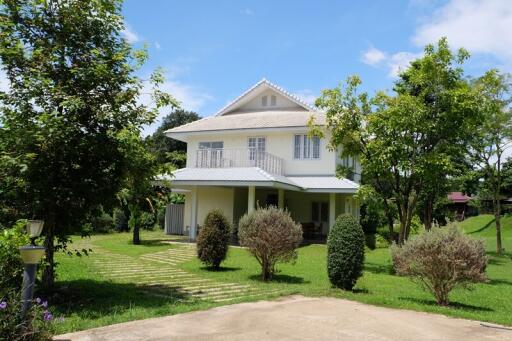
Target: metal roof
[[254, 176]]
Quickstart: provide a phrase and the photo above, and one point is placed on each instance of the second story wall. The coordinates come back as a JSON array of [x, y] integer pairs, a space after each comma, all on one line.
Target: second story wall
[[278, 143]]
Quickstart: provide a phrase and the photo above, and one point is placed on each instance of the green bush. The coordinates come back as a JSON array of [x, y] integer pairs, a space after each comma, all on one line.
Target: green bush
[[345, 252], [11, 265], [120, 220], [102, 223], [271, 236], [147, 221], [441, 260], [370, 240], [213, 239]]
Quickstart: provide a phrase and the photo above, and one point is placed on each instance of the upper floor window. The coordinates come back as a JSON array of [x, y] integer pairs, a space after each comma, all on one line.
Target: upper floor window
[[211, 145], [210, 154], [305, 147], [257, 146]]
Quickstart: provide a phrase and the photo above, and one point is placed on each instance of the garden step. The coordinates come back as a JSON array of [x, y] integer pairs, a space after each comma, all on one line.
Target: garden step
[[161, 275], [235, 292], [211, 288], [245, 296], [169, 282]]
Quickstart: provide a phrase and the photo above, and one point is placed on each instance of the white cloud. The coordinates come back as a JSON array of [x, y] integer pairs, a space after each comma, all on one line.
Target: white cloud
[[157, 45], [306, 95], [247, 11], [400, 61], [373, 56], [479, 26], [191, 98], [130, 35]]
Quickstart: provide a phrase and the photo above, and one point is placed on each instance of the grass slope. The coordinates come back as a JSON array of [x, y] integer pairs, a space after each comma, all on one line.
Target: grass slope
[[88, 300]]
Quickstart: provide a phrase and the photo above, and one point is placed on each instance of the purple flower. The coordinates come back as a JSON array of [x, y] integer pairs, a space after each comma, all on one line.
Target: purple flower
[[38, 300], [47, 316], [44, 304], [3, 305]]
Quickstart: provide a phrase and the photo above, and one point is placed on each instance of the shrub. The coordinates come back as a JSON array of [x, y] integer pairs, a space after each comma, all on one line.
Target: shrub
[[271, 236], [11, 265], [441, 260], [120, 220], [345, 252], [213, 239], [36, 325]]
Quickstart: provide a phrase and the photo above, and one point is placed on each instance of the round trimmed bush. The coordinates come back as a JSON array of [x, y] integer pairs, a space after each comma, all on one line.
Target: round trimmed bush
[[213, 239], [345, 252], [271, 236]]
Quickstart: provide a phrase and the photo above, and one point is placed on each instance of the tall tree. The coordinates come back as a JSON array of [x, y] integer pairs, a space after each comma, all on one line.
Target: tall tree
[[72, 94], [405, 140], [169, 150], [493, 136]]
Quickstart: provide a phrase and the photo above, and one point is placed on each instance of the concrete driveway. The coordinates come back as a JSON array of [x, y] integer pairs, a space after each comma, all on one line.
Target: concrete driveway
[[298, 318]]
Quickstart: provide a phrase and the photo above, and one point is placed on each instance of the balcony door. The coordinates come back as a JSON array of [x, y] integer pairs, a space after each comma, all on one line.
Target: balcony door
[[210, 154], [257, 147]]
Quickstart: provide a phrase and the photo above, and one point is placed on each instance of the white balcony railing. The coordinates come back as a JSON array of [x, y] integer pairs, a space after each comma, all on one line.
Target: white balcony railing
[[244, 157]]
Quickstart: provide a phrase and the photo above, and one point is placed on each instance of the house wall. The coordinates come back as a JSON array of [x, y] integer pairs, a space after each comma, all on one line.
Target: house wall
[[210, 198], [279, 144]]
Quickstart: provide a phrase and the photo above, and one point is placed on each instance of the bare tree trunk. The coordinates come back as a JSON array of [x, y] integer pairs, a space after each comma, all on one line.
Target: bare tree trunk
[[428, 213], [497, 219], [389, 217], [48, 277]]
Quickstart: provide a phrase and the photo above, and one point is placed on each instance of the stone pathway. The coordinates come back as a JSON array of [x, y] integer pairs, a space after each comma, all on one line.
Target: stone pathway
[[158, 274]]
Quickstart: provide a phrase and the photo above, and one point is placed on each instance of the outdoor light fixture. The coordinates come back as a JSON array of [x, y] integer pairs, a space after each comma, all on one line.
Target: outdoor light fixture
[[31, 256]]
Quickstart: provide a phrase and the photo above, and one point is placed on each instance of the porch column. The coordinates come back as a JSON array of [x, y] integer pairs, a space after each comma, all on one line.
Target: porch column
[[251, 199], [280, 198], [193, 210], [332, 209]]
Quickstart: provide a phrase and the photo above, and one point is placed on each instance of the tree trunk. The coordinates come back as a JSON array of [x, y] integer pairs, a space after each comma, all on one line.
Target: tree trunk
[[136, 233], [48, 278], [497, 219], [428, 213], [389, 217]]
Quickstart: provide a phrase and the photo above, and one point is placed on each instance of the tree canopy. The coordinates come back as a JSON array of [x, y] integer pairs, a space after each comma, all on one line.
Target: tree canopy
[[405, 140], [73, 96]]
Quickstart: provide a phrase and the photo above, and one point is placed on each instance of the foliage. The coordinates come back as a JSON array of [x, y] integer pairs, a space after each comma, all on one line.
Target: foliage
[[441, 260], [37, 325], [492, 136], [72, 96], [405, 141], [120, 220], [168, 150], [11, 265], [345, 252], [213, 239], [271, 236]]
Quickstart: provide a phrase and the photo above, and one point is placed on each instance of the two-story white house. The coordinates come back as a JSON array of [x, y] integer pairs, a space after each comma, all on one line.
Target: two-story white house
[[256, 152]]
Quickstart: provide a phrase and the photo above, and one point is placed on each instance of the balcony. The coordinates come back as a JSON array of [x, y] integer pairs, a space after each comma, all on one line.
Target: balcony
[[242, 157]]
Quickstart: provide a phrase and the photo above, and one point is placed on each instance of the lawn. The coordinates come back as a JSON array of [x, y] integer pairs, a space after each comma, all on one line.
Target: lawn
[[92, 293]]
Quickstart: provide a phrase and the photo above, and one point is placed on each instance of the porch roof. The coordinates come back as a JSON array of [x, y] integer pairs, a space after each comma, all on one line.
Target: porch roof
[[254, 176]]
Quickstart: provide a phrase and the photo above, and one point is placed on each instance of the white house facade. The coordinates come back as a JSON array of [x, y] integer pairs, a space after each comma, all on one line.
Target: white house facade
[[256, 152]]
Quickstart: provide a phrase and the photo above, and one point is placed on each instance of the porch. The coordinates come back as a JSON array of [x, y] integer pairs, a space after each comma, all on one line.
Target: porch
[[315, 211]]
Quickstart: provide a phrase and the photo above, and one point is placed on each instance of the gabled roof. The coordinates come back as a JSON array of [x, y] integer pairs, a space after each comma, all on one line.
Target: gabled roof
[[266, 84], [458, 197]]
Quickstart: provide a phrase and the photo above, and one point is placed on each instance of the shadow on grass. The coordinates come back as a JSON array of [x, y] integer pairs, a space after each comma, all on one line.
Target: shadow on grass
[[499, 281], [453, 305], [280, 278], [483, 227], [94, 299], [379, 268], [221, 269]]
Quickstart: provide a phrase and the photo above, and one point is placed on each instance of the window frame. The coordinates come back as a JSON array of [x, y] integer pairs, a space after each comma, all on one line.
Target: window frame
[[312, 147]]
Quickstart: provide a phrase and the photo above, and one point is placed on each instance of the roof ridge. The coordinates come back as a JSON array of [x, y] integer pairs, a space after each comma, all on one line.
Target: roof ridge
[[277, 88]]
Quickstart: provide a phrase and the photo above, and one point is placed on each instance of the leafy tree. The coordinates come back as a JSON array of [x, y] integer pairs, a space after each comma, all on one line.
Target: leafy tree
[[73, 97], [493, 136], [406, 140], [169, 150]]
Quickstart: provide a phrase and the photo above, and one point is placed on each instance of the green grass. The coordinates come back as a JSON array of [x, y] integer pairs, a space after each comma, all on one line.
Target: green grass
[[87, 300]]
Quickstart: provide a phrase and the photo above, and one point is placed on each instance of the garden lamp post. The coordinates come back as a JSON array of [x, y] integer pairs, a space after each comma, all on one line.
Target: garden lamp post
[[31, 256]]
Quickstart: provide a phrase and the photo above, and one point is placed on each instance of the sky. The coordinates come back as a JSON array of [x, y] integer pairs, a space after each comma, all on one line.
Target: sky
[[212, 51]]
